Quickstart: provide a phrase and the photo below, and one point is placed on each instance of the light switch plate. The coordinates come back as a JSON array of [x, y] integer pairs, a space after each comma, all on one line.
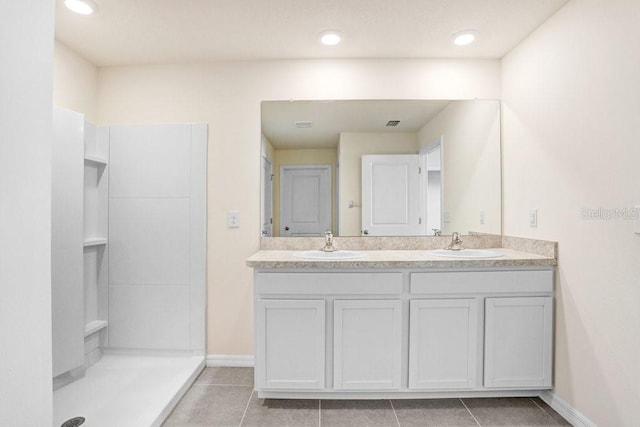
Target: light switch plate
[[533, 217], [482, 217], [233, 219]]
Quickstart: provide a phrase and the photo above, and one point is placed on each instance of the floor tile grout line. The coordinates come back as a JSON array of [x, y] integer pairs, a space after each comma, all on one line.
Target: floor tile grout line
[[244, 414], [469, 411], [543, 410], [394, 412]]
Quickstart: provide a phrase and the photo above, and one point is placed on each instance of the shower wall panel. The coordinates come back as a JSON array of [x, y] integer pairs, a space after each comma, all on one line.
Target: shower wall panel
[[157, 235]]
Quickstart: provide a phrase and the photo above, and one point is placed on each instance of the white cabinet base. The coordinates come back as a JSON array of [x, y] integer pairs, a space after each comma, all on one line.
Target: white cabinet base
[[403, 334], [403, 394]]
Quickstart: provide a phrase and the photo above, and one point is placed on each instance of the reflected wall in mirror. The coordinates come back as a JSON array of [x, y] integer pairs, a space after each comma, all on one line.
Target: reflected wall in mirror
[[380, 168]]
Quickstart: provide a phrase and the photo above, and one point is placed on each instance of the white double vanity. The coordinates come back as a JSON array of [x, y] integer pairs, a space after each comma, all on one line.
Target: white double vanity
[[403, 324]]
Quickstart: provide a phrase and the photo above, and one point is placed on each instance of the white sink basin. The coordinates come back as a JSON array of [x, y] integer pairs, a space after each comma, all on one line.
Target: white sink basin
[[467, 253], [329, 256]]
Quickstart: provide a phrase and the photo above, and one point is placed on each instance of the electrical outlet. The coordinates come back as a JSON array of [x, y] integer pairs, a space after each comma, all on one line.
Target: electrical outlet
[[233, 219], [481, 217], [446, 217], [533, 217], [637, 214]]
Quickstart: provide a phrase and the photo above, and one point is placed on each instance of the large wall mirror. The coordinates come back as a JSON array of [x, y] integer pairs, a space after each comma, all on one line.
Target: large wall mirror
[[380, 168]]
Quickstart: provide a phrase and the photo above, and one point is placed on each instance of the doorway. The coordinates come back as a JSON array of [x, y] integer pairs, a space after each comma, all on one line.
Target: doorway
[[432, 186], [267, 198], [305, 200]]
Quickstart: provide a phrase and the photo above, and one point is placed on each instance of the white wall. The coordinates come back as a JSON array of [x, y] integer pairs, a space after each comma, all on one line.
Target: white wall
[[571, 133], [227, 97], [353, 145], [471, 151], [26, 54]]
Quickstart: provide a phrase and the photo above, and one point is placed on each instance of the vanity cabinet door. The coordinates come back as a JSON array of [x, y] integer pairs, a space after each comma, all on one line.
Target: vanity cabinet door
[[518, 341], [443, 343], [367, 344], [290, 344]]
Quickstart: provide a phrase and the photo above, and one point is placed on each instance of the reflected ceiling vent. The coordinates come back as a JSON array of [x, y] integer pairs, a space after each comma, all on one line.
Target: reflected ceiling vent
[[304, 124], [392, 123]]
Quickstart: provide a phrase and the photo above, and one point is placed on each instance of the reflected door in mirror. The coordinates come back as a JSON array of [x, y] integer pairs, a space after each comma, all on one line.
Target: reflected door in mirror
[[267, 198], [305, 200], [390, 195]]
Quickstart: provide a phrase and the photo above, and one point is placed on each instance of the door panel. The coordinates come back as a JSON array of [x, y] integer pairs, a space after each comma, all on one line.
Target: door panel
[[390, 195], [367, 344], [518, 342], [443, 343], [305, 206], [290, 344]]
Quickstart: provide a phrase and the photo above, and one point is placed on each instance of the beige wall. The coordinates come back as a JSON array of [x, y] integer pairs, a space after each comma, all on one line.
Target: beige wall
[[352, 146], [75, 82], [471, 152], [571, 133], [227, 96], [322, 156]]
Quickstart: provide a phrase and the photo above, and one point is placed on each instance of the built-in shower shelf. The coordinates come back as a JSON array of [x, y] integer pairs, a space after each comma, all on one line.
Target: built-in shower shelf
[[95, 159], [95, 242], [93, 327]]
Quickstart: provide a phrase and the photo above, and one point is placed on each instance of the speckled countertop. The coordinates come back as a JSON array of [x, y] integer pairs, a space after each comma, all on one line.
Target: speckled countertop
[[388, 259]]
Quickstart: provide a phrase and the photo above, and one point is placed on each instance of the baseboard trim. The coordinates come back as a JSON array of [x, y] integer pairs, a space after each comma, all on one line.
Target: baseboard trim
[[230, 360], [567, 411]]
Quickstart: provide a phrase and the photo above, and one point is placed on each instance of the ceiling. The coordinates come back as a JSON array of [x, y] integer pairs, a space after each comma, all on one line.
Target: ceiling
[[330, 118], [126, 32]]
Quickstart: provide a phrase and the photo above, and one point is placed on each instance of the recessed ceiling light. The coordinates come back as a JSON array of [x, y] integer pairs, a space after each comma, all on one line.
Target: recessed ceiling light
[[330, 37], [464, 38], [82, 7]]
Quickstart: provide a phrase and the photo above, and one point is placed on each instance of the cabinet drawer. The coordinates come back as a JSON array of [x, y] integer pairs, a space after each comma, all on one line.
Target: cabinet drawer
[[329, 283], [482, 282]]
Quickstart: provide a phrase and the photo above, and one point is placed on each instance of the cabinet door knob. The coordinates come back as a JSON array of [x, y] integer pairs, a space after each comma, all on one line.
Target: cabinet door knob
[[365, 232], [286, 228]]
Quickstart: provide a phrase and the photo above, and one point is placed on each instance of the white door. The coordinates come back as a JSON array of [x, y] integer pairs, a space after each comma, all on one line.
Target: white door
[[305, 200], [367, 344], [518, 341], [290, 344], [443, 343], [390, 195], [267, 200]]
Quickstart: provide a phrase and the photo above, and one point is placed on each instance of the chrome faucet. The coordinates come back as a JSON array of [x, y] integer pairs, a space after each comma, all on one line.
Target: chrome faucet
[[328, 242], [437, 232], [456, 242]]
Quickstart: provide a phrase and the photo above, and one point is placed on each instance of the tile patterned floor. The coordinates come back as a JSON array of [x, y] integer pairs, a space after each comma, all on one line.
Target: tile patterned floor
[[225, 397]]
